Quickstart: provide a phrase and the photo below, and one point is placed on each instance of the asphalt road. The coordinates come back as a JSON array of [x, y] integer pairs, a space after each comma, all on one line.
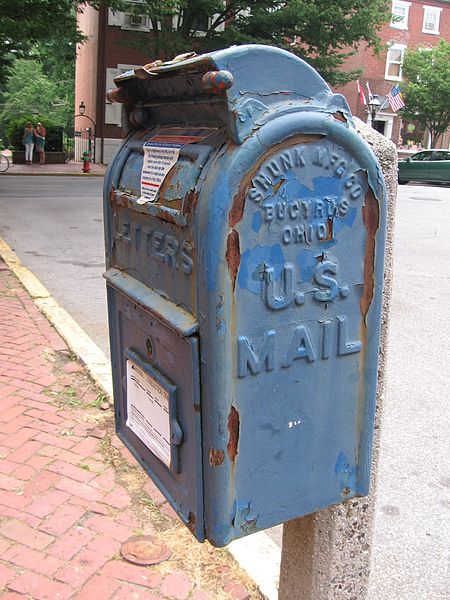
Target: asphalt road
[[54, 224]]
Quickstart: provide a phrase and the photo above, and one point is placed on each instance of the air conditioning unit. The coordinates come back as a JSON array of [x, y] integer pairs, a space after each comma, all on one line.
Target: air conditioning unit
[[138, 20]]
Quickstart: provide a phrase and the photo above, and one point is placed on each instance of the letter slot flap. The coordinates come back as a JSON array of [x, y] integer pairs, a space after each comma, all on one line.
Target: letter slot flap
[[161, 178]]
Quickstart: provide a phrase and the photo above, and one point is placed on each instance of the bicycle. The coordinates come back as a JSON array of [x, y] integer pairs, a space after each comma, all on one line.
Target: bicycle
[[4, 163]]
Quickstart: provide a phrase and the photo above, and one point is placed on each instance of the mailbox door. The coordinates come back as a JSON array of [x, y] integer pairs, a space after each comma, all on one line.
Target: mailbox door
[[156, 379], [296, 290]]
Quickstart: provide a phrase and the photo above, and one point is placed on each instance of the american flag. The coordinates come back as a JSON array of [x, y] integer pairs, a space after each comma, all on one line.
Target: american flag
[[395, 98]]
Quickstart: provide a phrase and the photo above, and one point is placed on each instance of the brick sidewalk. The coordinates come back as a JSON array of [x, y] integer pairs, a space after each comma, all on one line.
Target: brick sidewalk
[[70, 494]]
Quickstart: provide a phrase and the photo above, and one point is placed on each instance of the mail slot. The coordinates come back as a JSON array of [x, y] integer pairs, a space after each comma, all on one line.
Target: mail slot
[[245, 224]]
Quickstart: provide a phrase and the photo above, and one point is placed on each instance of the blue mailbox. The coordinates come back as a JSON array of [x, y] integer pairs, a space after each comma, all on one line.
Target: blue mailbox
[[245, 224]]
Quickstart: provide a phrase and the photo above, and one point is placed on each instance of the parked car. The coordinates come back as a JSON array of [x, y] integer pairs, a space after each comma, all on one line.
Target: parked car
[[426, 165]]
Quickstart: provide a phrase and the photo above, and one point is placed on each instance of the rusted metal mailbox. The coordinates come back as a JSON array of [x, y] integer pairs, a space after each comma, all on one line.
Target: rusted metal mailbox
[[245, 223]]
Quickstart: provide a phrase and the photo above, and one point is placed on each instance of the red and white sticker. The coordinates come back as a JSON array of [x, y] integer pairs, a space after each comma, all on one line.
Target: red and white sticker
[[159, 158]]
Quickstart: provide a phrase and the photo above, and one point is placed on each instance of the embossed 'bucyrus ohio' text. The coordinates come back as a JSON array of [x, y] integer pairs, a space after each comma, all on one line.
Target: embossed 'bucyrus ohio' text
[[308, 342]]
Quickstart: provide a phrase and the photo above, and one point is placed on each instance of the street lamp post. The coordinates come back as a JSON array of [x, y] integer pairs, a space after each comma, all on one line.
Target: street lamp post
[[82, 113], [374, 105]]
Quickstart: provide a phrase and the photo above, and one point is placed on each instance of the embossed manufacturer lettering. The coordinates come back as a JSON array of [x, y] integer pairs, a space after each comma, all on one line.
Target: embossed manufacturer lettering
[[303, 342], [344, 345], [163, 247], [280, 296], [300, 347], [326, 338], [252, 360], [186, 258], [278, 301], [322, 278]]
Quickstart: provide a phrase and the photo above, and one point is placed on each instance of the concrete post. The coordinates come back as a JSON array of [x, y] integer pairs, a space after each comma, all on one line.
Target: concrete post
[[326, 555]]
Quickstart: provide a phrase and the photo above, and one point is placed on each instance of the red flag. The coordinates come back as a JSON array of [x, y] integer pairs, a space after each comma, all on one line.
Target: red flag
[[369, 91], [362, 98]]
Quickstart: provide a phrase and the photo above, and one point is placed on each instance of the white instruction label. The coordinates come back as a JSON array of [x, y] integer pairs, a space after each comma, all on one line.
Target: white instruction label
[[159, 158], [148, 411]]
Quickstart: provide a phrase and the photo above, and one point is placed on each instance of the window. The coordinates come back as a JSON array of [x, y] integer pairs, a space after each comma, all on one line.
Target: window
[[431, 16], [200, 25], [394, 62], [113, 112], [422, 156], [442, 155], [130, 20], [400, 12]]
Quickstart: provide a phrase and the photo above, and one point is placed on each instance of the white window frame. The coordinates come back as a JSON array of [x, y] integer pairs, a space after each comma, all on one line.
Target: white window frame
[[113, 111], [199, 33], [388, 77], [122, 20], [403, 24], [431, 10]]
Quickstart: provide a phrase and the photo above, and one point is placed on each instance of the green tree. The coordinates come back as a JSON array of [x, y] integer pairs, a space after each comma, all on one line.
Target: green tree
[[25, 22], [426, 88], [29, 91], [323, 32]]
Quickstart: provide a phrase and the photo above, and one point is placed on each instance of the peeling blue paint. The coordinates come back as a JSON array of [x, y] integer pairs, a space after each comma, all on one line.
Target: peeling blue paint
[[257, 221], [345, 473], [253, 261]]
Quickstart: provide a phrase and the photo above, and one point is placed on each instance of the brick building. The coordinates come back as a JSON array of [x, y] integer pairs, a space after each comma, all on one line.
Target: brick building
[[109, 51], [416, 24]]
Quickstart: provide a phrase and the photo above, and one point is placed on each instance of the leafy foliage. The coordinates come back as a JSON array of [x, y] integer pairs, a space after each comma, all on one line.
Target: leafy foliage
[[324, 33], [29, 91], [53, 140], [426, 88], [28, 21]]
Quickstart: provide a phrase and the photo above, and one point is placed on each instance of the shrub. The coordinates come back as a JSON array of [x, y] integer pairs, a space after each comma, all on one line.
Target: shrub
[[53, 140]]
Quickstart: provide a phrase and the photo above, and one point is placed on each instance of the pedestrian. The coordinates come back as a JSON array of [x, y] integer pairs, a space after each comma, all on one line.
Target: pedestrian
[[40, 133], [28, 142]]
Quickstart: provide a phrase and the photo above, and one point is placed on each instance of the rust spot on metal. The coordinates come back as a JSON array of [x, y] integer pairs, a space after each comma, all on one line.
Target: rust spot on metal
[[119, 199], [329, 226], [165, 216], [216, 457], [190, 202], [233, 430], [371, 216], [192, 522], [277, 186], [233, 255], [237, 208], [112, 196], [339, 116]]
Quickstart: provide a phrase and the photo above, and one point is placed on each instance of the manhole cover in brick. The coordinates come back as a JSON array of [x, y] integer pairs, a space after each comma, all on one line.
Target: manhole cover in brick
[[144, 550]]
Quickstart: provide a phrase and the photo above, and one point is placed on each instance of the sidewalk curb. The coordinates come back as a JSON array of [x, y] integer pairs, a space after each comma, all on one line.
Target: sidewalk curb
[[58, 174], [257, 554], [77, 340]]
